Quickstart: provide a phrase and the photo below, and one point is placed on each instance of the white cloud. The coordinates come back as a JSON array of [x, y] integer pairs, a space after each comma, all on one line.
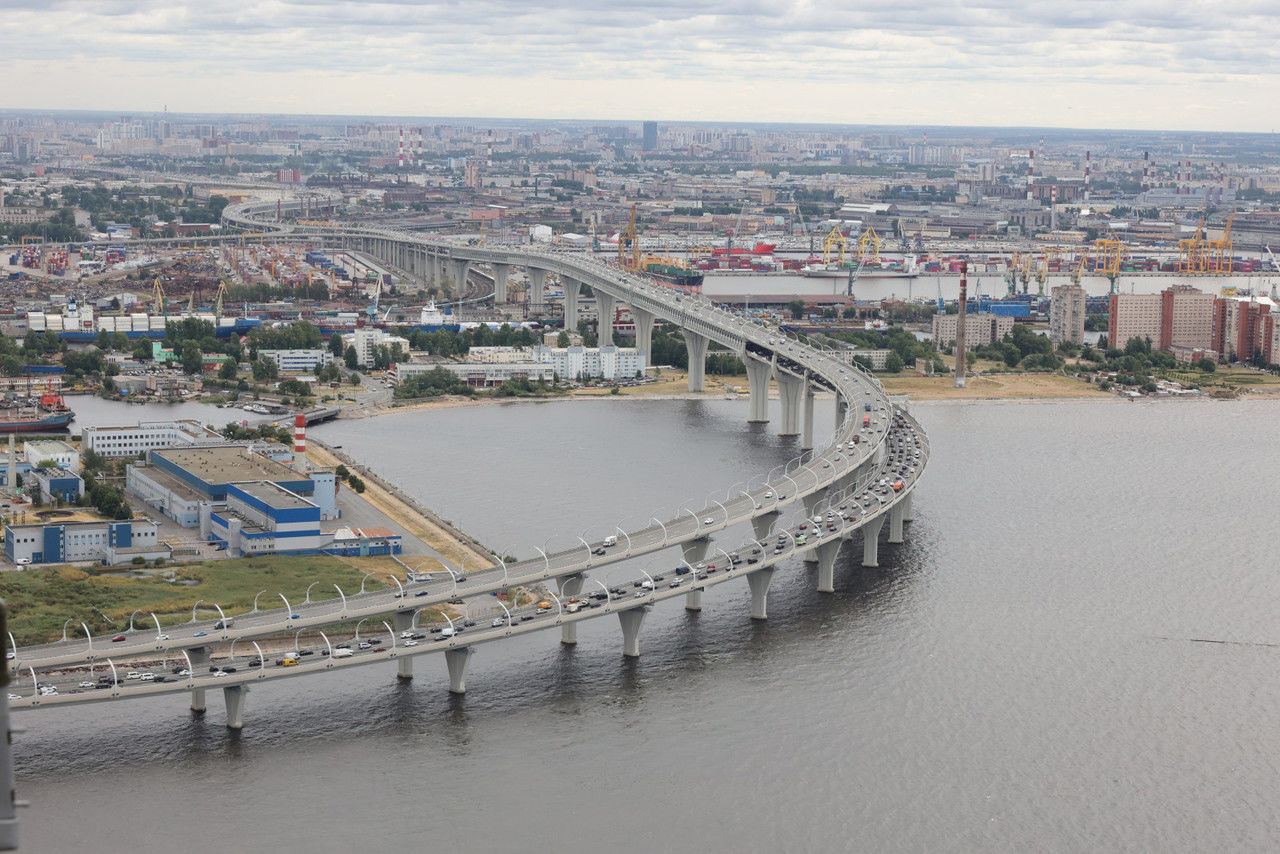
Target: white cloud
[[1113, 62]]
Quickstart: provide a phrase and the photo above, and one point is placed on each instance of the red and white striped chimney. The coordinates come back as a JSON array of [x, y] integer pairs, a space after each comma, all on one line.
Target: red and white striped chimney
[[299, 442], [1146, 170], [1088, 162], [1031, 164], [402, 148]]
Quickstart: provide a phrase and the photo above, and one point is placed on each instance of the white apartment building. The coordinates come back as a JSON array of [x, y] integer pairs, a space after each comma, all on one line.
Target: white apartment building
[[1066, 314], [978, 328], [367, 339]]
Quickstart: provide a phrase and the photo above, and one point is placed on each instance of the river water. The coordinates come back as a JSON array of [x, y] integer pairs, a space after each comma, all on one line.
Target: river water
[[1029, 671]]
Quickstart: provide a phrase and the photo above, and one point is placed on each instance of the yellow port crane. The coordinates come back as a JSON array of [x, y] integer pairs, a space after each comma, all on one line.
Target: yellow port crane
[[833, 246], [868, 247], [629, 245], [1193, 252], [1220, 252], [217, 297], [157, 296]]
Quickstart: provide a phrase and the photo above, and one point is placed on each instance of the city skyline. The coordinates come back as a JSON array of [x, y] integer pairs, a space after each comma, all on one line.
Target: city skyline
[[1118, 65]]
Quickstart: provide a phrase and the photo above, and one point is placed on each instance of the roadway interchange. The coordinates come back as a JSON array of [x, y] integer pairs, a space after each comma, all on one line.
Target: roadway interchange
[[856, 468]]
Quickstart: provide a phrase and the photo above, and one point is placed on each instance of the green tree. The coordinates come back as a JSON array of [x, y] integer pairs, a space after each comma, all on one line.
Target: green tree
[[893, 363], [335, 345], [350, 359], [796, 307], [227, 370], [1207, 365], [192, 360]]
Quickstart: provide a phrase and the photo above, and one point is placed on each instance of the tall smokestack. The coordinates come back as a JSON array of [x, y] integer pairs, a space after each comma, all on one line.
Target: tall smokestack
[[300, 442], [1031, 165], [1053, 208], [488, 155], [1088, 162], [961, 366], [12, 473], [402, 149], [1146, 170]]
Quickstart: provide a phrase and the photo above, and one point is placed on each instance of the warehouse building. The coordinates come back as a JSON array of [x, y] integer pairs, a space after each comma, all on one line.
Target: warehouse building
[[148, 436], [62, 542]]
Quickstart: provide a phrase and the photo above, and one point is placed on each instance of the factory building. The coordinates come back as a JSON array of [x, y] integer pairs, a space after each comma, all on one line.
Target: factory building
[[46, 485], [38, 450], [62, 542], [177, 481], [264, 518], [299, 361]]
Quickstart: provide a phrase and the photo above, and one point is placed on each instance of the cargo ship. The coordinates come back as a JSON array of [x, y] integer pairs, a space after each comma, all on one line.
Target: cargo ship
[[48, 414], [681, 278]]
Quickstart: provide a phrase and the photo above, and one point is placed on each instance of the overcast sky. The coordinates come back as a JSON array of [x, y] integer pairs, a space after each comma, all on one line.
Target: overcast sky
[[1071, 63]]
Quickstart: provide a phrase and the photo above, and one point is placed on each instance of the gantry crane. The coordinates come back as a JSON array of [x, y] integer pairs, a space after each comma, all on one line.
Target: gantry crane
[[158, 296], [1220, 252], [629, 245], [833, 246], [868, 247], [1193, 252]]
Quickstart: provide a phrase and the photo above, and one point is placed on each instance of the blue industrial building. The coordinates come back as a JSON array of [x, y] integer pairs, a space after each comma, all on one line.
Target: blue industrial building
[[63, 542]]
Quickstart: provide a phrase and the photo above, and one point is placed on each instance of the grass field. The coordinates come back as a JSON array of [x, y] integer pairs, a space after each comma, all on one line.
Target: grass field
[[40, 600]]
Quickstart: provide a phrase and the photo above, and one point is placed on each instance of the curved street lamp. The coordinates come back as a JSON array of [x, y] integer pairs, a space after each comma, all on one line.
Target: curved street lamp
[[307, 600], [398, 584], [625, 534], [131, 616], [663, 527], [344, 600], [64, 628], [193, 609], [545, 560], [262, 661], [288, 608], [255, 601]]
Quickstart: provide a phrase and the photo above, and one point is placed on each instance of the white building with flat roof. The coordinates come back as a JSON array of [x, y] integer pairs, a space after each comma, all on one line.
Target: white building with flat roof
[[132, 441], [608, 362], [367, 339], [38, 450], [298, 361]]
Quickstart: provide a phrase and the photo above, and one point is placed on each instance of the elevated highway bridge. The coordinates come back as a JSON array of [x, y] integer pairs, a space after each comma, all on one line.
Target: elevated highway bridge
[[861, 474]]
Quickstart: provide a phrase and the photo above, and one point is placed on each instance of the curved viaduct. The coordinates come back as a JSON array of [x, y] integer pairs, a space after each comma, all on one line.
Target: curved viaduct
[[843, 487]]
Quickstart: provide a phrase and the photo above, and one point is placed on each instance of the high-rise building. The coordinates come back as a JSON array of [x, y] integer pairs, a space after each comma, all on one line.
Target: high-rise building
[[649, 137], [1066, 314], [1180, 316]]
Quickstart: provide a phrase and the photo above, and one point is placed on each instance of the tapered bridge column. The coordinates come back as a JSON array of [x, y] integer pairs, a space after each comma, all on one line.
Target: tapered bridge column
[[759, 583], [697, 346], [570, 585], [402, 621], [812, 502], [234, 696], [806, 437], [871, 541], [537, 279], [456, 660], [632, 619], [842, 407], [896, 516], [790, 389], [458, 273], [908, 510], [762, 525], [500, 273], [199, 656], [827, 565], [644, 332], [695, 552], [606, 311], [571, 291], [758, 378]]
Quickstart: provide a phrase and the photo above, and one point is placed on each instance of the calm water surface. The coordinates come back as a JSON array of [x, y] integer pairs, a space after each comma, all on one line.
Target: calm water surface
[[1026, 672]]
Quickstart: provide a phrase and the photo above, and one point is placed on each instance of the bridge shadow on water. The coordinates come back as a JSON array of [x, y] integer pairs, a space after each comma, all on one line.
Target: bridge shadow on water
[[680, 650]]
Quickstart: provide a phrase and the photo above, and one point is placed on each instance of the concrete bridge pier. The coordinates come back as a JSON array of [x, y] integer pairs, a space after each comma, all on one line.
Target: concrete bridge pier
[[695, 552], [644, 331], [762, 525], [571, 290], [806, 437], [759, 583], [812, 503], [908, 511], [826, 554], [402, 621], [896, 517], [456, 660], [458, 275], [632, 619], [435, 265], [500, 273], [790, 389], [758, 378], [697, 346], [234, 696], [537, 278], [199, 656], [570, 585], [842, 408], [871, 541], [606, 311]]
